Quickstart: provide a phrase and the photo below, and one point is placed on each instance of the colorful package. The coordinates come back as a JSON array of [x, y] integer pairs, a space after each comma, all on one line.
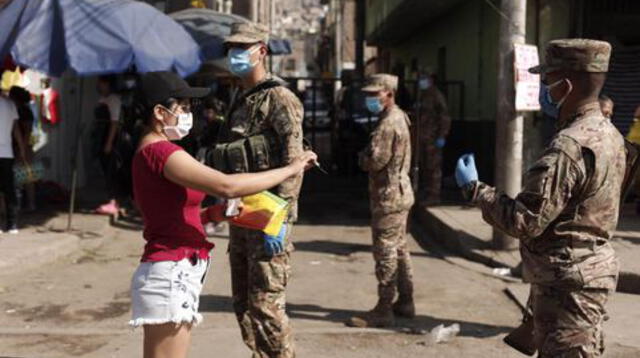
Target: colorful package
[[263, 211]]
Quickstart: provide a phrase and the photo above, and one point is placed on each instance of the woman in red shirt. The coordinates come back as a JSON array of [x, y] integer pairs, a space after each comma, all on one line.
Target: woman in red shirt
[[169, 186]]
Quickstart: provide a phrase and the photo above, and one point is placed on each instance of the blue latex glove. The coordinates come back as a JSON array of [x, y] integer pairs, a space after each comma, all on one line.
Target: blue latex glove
[[274, 245], [466, 171], [440, 143]]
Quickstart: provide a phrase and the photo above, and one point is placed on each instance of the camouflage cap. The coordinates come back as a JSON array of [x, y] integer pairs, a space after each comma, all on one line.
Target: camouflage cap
[[579, 55], [247, 33], [380, 82]]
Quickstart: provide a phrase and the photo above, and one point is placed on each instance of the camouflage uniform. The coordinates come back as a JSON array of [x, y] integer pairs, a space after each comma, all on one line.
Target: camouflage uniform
[[259, 280], [388, 161], [434, 122], [565, 215]]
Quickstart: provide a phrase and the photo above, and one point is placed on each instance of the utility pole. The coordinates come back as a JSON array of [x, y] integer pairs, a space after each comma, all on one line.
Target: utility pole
[[361, 16], [508, 122], [253, 10], [338, 37], [272, 29]]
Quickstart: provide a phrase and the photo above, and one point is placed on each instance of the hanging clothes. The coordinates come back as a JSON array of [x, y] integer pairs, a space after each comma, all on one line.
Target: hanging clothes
[[10, 79], [50, 106], [32, 81]]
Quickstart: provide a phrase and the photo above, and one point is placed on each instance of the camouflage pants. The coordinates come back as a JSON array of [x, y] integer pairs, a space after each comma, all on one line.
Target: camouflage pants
[[568, 323], [258, 284], [390, 252], [430, 174]]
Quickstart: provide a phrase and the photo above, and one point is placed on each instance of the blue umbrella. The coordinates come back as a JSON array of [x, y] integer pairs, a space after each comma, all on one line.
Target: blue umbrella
[[209, 28], [94, 37], [280, 47]]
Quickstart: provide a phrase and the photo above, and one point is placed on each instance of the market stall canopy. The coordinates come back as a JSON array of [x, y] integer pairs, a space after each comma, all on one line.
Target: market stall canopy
[[94, 37], [209, 28]]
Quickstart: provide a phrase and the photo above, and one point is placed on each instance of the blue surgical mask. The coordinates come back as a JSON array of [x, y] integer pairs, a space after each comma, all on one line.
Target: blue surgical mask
[[374, 105], [239, 61], [547, 105]]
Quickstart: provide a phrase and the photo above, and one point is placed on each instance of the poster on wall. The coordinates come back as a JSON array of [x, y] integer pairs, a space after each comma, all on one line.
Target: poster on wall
[[527, 84]]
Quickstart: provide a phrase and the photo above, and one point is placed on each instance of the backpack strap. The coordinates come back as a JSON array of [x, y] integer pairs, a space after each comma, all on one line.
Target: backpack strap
[[268, 84]]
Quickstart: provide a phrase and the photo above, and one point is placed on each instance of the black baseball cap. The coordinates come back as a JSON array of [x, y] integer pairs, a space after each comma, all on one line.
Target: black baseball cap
[[159, 86]]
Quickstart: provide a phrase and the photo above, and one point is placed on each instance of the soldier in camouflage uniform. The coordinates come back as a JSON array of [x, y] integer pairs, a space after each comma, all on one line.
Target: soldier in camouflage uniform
[[388, 161], [568, 208], [433, 128], [265, 126]]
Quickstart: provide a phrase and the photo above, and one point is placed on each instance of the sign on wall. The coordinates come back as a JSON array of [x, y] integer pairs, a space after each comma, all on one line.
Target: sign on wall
[[527, 84]]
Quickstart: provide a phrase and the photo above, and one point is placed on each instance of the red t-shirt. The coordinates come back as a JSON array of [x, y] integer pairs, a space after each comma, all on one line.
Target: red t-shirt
[[171, 212]]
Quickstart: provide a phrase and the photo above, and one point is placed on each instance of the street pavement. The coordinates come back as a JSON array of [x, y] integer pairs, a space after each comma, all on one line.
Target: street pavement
[[462, 230], [78, 304]]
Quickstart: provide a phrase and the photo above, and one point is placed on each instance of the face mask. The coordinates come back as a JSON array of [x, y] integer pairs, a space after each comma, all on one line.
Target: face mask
[[548, 106], [239, 61], [424, 83], [374, 105], [181, 129]]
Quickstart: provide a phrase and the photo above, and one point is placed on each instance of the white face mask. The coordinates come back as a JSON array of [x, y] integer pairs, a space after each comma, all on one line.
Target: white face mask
[[181, 129]]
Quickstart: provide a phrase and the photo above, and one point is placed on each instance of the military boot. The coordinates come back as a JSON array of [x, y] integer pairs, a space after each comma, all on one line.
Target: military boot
[[404, 307], [379, 317]]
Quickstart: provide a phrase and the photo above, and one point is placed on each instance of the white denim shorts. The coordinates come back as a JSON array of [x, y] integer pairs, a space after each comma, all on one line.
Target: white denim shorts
[[167, 291]]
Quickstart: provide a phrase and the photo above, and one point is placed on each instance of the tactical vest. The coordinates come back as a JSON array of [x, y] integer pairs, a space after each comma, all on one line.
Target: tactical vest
[[252, 151], [574, 251]]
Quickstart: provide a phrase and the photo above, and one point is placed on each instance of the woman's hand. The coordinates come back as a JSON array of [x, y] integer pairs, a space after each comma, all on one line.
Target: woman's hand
[[307, 160], [218, 213]]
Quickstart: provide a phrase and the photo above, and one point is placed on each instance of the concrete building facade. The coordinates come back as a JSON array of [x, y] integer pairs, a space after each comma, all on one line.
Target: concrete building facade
[[458, 41]]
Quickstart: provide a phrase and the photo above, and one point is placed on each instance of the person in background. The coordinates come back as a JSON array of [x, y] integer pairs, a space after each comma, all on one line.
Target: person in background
[[387, 159], [606, 105], [9, 129], [107, 116], [21, 98], [169, 186], [213, 111], [213, 115], [433, 124]]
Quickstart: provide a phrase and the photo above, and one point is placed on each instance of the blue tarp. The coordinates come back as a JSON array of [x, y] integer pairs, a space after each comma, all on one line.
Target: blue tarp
[[94, 36], [209, 28]]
